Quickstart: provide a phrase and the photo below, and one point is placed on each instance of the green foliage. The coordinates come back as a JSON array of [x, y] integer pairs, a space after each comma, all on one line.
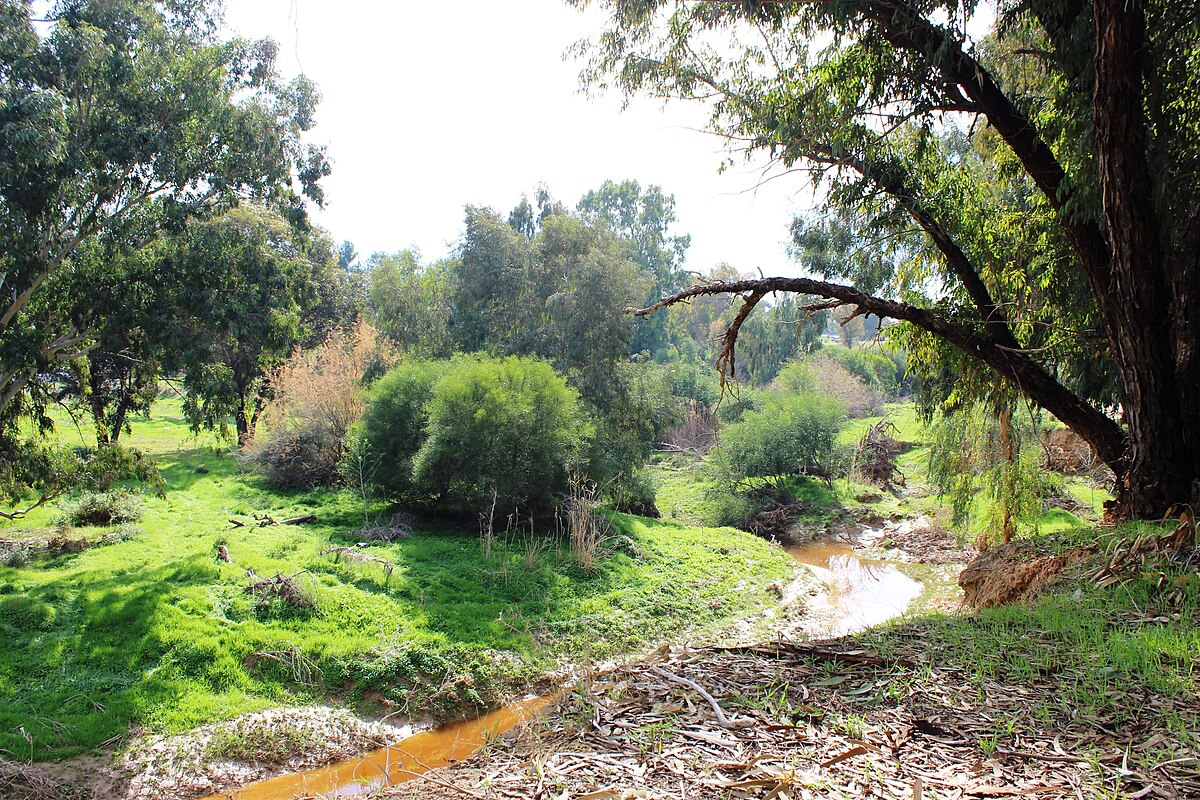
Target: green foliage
[[121, 120], [44, 469], [641, 219], [504, 431], [874, 368], [114, 507], [394, 423], [250, 282], [410, 302], [795, 378], [789, 434], [461, 433], [993, 478]]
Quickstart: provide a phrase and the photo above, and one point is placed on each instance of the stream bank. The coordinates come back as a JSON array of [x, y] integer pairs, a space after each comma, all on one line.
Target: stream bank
[[1089, 690], [864, 584], [859, 591]]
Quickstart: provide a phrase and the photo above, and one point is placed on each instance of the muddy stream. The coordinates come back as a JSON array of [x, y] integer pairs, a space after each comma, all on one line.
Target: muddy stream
[[860, 592]]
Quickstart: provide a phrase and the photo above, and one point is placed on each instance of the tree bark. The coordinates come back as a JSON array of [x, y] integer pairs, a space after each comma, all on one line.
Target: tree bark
[[242, 422], [1137, 300]]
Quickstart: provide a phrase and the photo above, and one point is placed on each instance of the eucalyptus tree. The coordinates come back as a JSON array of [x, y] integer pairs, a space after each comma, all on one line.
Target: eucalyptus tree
[[641, 218], [119, 120], [1034, 191], [410, 302], [249, 287]]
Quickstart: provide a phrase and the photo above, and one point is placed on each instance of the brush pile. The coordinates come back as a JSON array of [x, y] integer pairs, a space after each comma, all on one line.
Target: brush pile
[[281, 587], [875, 456], [25, 782]]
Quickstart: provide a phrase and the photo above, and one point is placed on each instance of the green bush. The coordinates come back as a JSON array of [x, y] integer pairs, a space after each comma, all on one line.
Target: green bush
[[505, 430], [450, 433], [116, 507], [796, 377], [393, 425], [789, 434], [874, 369]]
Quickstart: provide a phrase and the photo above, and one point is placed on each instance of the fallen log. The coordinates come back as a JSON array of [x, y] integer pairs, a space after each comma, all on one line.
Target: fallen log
[[266, 520]]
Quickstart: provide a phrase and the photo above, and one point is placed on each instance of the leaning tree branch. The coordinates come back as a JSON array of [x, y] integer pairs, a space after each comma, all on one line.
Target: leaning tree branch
[[905, 28], [890, 182], [1105, 435]]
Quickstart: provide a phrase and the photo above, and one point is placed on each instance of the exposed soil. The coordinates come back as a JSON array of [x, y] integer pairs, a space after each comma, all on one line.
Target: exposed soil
[[187, 766], [822, 720], [1012, 573], [919, 541]]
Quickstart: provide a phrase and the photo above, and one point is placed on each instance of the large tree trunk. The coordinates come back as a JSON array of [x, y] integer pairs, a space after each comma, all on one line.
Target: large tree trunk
[[1160, 464]]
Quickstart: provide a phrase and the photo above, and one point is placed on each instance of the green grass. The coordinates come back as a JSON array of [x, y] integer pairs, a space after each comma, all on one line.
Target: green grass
[[157, 632], [1099, 647]]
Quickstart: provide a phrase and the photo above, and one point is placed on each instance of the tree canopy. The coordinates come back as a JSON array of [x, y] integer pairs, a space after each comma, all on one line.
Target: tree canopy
[[1026, 201], [122, 120]]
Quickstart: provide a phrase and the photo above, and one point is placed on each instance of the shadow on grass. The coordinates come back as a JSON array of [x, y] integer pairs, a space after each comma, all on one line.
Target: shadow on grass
[[88, 657]]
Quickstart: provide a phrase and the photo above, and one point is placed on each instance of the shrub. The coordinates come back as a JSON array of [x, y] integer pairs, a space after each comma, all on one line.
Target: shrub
[[318, 396], [874, 369], [634, 493], [824, 373], [102, 508], [393, 425], [790, 434], [797, 377], [861, 399], [49, 470], [505, 430]]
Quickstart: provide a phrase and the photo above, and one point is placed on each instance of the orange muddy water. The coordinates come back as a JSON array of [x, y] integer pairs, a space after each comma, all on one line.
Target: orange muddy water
[[861, 591], [389, 765]]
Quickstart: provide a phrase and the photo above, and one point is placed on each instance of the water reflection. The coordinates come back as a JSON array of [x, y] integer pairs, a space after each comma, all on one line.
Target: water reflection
[[861, 591]]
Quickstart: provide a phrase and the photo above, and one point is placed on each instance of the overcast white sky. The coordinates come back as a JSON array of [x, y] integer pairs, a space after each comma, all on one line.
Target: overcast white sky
[[431, 106]]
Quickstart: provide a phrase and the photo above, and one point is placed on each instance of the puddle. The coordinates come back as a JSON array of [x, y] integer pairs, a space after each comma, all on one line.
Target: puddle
[[389, 765], [862, 592]]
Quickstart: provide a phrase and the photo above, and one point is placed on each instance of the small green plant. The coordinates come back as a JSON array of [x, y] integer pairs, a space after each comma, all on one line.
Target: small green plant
[[113, 507], [260, 739]]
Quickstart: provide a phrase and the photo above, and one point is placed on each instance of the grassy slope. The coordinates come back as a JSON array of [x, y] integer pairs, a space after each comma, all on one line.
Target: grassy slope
[[157, 632]]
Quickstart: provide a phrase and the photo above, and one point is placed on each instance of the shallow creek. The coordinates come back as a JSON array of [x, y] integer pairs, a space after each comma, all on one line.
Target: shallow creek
[[414, 755], [860, 592]]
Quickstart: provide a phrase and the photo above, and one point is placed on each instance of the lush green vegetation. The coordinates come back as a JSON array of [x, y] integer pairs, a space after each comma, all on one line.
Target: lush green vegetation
[[156, 631], [432, 499]]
